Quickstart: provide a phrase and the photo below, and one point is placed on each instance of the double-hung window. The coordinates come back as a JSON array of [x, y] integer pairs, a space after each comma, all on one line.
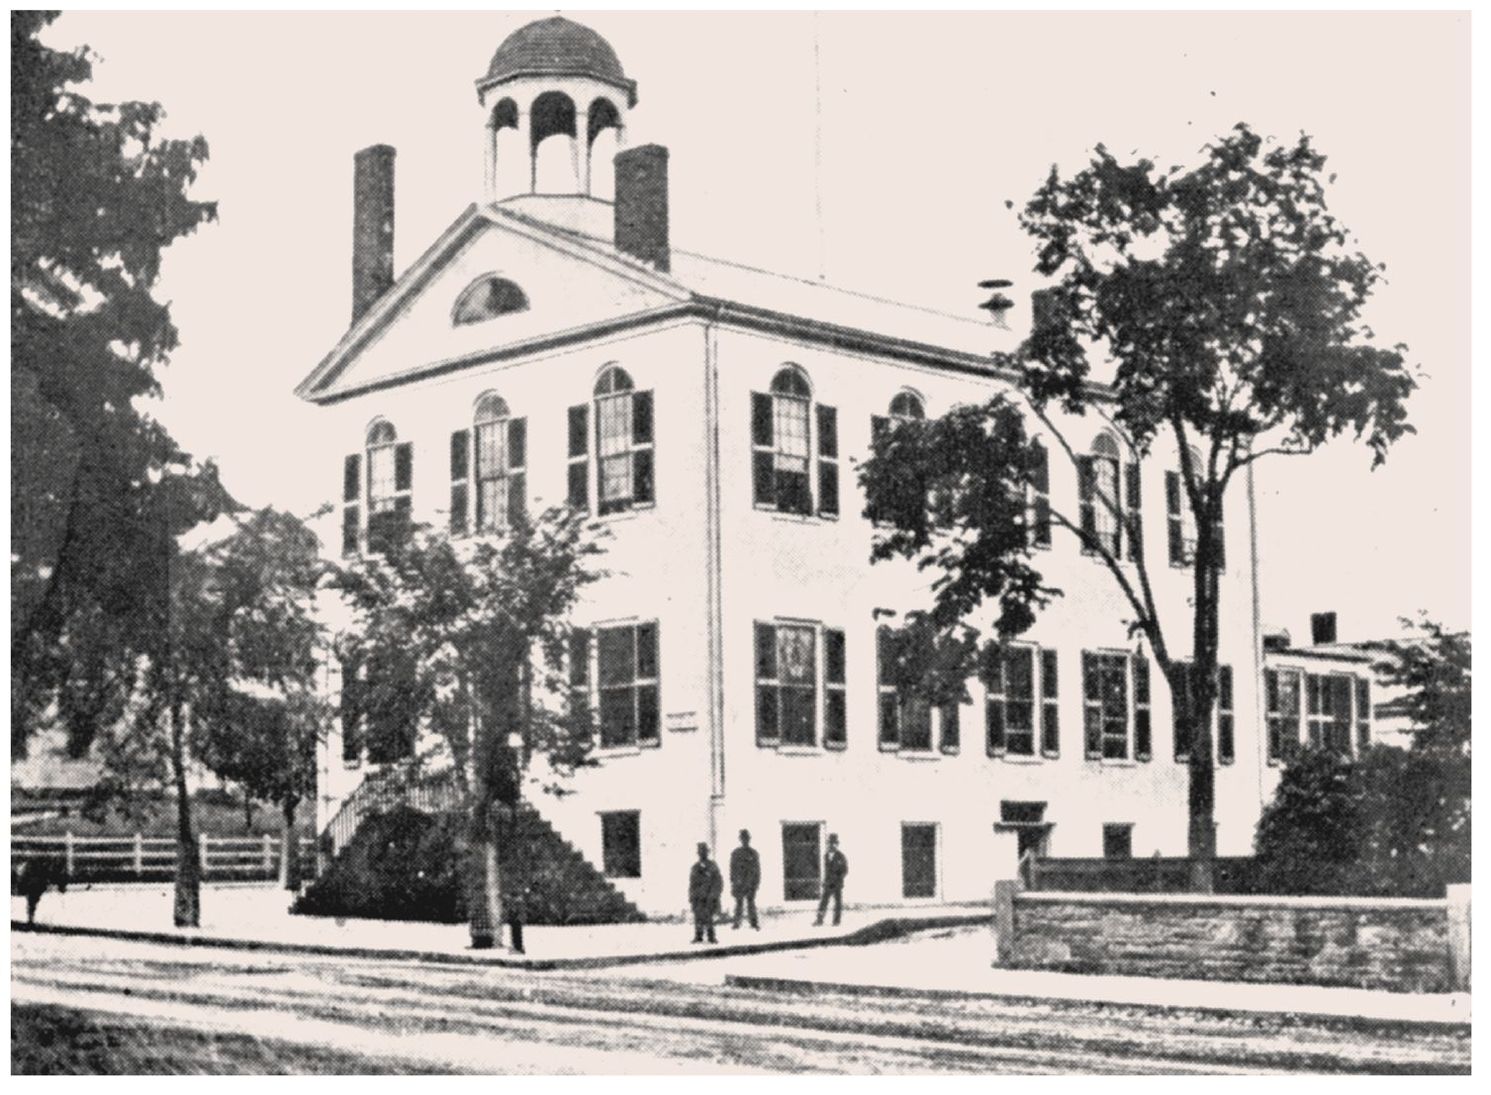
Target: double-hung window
[[625, 677], [1021, 710], [501, 444], [1108, 500], [1181, 522], [1223, 714], [388, 485], [906, 716], [496, 462], [1328, 711], [624, 446], [1105, 704], [787, 431], [1283, 710], [788, 685]]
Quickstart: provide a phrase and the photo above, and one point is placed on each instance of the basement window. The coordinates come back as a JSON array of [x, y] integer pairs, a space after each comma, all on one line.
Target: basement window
[[621, 844]]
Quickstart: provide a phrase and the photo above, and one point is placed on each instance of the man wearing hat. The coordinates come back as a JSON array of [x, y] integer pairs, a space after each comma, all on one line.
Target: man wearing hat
[[835, 867], [745, 878], [705, 887]]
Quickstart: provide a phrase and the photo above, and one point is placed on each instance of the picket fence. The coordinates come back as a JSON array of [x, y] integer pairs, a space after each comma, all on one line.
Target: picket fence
[[153, 859]]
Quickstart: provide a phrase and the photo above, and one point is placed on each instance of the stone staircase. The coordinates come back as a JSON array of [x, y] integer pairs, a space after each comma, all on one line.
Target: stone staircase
[[393, 856]]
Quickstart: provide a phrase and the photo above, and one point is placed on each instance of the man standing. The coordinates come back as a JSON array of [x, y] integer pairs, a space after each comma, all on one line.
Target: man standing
[[705, 887], [745, 877], [835, 867]]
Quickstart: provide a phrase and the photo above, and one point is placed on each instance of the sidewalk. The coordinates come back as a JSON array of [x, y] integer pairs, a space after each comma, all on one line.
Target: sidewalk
[[258, 918], [958, 963]]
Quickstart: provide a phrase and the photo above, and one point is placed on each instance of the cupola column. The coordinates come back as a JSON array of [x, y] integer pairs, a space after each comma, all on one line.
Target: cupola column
[[582, 151]]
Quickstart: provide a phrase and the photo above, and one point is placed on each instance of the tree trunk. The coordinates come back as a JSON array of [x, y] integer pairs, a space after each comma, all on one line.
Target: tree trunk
[[248, 814], [289, 849], [188, 907], [1201, 841], [484, 888]]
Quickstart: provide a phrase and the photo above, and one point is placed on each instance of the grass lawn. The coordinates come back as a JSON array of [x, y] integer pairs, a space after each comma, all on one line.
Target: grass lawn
[[215, 813], [46, 1040]]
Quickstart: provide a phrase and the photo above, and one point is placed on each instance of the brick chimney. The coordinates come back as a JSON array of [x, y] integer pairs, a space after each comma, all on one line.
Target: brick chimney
[[1322, 627], [641, 207], [372, 226]]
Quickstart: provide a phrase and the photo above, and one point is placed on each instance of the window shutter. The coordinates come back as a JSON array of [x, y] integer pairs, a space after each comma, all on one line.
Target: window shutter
[[763, 469], [1143, 730], [768, 729], [403, 466], [642, 418], [1040, 481], [1092, 704], [1180, 714], [352, 478], [834, 720], [952, 730], [1173, 519], [460, 464], [351, 511], [517, 464], [1225, 745], [994, 718], [1132, 504], [888, 700], [349, 530], [761, 419], [350, 712], [579, 452], [579, 657], [1086, 489], [648, 668], [1050, 712], [828, 461]]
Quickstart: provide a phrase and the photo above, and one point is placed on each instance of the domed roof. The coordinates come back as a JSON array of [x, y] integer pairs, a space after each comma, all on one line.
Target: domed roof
[[557, 47]]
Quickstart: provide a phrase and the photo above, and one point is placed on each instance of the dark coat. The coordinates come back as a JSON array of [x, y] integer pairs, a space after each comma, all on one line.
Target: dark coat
[[745, 871], [705, 884], [835, 867]]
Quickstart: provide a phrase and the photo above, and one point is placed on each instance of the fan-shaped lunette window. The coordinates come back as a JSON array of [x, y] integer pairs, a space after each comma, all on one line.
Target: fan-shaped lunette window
[[488, 297]]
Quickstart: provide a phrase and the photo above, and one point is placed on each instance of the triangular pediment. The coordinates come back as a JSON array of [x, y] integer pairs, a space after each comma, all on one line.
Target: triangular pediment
[[569, 286]]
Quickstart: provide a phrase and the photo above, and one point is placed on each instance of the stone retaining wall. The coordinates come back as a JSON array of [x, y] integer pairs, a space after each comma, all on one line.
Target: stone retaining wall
[[1397, 944]]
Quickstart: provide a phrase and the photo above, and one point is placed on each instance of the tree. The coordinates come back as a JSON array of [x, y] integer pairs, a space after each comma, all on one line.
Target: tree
[[261, 724], [475, 632], [1228, 302], [96, 198], [1433, 668]]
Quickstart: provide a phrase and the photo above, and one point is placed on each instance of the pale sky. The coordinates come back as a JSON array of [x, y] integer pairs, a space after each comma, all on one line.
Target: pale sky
[[928, 124]]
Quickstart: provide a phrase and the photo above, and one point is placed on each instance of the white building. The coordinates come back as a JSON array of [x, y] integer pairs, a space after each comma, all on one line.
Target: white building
[[553, 344]]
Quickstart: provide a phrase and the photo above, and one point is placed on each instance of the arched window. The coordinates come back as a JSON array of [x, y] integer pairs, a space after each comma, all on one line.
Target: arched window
[[488, 297], [623, 446], [907, 407], [388, 487], [1098, 499], [500, 458], [783, 451], [1180, 520]]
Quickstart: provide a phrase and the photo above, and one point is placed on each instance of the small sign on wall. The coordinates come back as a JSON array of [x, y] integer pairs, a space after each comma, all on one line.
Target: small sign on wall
[[682, 720]]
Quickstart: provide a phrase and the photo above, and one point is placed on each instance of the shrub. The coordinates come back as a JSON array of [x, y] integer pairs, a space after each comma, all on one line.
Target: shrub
[[1386, 823]]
